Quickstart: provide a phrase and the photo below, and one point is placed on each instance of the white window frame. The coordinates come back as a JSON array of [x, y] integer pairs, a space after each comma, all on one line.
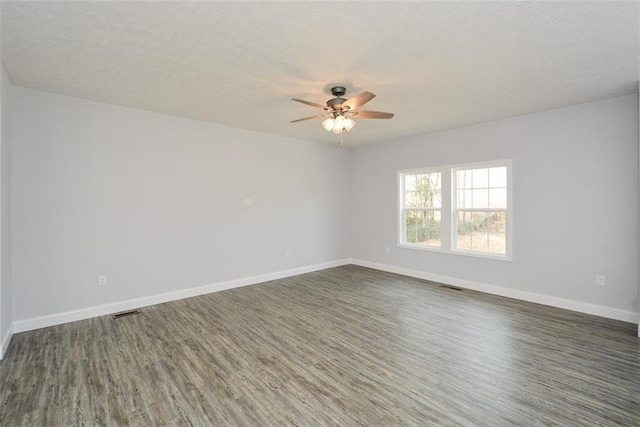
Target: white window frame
[[449, 211], [402, 209], [508, 210]]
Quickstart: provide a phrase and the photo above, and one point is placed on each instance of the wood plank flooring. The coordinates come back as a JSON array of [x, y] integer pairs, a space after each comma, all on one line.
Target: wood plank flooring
[[344, 346]]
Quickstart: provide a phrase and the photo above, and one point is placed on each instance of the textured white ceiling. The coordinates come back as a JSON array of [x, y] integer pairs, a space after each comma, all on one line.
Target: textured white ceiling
[[437, 65]]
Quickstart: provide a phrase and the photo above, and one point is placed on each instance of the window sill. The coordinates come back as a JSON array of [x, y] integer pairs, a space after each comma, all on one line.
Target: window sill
[[506, 258]]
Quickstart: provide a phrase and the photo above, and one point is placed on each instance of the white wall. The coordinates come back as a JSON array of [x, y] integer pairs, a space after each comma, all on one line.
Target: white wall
[[6, 316], [575, 180], [156, 203]]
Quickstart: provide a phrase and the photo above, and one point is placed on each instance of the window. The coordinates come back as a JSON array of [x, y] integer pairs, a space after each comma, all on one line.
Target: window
[[480, 209], [421, 201], [462, 209]]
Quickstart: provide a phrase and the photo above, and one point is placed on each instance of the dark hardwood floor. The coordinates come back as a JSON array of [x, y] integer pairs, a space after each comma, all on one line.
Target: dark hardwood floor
[[345, 346]]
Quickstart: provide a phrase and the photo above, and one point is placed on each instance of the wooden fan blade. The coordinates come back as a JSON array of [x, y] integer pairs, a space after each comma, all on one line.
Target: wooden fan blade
[[313, 104], [358, 100], [367, 114], [308, 118]]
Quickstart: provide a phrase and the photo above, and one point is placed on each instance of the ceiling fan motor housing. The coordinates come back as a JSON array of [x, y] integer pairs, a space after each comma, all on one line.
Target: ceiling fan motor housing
[[336, 103], [338, 91]]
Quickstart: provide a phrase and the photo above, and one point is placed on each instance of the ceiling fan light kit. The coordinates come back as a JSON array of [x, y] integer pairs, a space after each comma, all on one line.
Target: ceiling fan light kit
[[338, 124], [339, 111]]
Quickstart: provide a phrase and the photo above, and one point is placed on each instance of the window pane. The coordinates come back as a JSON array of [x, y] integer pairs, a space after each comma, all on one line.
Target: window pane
[[465, 199], [480, 199], [409, 182], [410, 235], [479, 241], [423, 227], [412, 199], [463, 179], [498, 198], [464, 242], [434, 229], [482, 232], [465, 226], [434, 190], [497, 243], [410, 226], [497, 222], [480, 178], [480, 221], [498, 177], [473, 184], [428, 231], [423, 190]]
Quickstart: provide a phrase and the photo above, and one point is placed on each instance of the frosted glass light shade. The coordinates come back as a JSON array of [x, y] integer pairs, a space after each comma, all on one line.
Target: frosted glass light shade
[[338, 124], [348, 123], [329, 124]]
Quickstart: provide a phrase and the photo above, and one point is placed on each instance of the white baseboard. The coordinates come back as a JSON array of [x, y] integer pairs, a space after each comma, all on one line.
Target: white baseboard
[[102, 310], [582, 307], [6, 339], [87, 313]]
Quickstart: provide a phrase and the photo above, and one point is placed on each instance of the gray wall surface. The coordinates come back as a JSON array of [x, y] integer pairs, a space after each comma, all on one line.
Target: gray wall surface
[[156, 203], [575, 183], [6, 297]]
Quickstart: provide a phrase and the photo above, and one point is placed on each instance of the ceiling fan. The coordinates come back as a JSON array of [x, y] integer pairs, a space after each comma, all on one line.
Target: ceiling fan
[[339, 111]]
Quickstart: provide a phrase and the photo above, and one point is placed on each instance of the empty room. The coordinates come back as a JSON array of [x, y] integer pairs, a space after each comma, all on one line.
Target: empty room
[[310, 213]]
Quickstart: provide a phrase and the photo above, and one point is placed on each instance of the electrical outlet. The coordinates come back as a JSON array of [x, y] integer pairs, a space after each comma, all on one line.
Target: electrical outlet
[[387, 250], [600, 280], [102, 280], [286, 254], [248, 203]]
